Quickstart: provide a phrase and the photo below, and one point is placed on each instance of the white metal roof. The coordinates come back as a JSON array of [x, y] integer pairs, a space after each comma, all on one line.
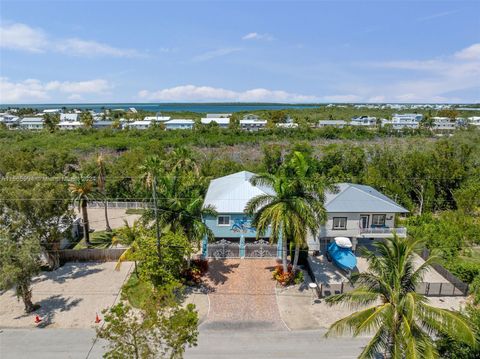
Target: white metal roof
[[157, 118], [68, 117], [219, 120], [230, 194], [360, 198], [180, 121]]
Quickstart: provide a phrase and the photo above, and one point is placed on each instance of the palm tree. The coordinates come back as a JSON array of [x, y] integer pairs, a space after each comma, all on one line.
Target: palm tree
[[81, 188], [312, 187], [291, 211], [128, 235], [101, 181], [87, 119], [150, 169], [402, 320]]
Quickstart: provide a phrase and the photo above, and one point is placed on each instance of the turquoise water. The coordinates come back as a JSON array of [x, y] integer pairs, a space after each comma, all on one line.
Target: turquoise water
[[172, 107]]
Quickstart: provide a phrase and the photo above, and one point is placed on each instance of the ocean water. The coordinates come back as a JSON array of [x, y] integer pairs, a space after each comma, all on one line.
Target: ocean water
[[170, 107]]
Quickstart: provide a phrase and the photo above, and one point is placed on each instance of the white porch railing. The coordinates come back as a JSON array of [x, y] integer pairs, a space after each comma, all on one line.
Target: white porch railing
[[401, 231]]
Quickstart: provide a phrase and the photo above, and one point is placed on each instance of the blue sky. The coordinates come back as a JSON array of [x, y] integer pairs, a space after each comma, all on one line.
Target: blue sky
[[316, 51]]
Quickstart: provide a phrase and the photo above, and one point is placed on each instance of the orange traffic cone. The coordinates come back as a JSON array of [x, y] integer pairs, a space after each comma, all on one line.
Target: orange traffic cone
[[37, 319], [97, 318]]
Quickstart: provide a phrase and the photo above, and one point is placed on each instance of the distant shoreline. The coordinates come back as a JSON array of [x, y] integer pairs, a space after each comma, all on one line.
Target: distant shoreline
[[203, 107]]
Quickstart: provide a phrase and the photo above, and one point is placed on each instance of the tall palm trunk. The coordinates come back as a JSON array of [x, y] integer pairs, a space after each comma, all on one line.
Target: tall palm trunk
[[295, 260], [86, 227], [284, 255], [107, 224]]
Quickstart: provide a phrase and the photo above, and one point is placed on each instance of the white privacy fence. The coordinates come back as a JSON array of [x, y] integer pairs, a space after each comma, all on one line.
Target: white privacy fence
[[114, 204]]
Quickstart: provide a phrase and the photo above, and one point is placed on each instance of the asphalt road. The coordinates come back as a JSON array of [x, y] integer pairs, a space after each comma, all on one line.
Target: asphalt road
[[79, 343]]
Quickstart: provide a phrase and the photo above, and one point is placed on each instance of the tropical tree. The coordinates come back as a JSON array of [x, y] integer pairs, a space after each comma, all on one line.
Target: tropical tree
[[101, 182], [51, 121], [295, 209], [289, 211], [81, 189], [312, 187], [87, 119], [19, 262], [150, 170], [402, 321], [158, 331], [128, 235], [23, 214]]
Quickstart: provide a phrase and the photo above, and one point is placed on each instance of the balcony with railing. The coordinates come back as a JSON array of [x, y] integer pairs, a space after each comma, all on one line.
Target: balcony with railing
[[382, 232]]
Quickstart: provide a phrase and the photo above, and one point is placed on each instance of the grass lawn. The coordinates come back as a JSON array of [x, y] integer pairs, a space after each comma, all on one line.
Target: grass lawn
[[136, 291], [98, 239], [135, 211]]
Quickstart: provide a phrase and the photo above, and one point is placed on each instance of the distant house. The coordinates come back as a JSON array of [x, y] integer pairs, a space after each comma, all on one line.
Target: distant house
[[52, 110], [102, 124], [138, 125], [179, 124], [289, 123], [252, 122], [474, 121], [31, 123], [223, 122], [364, 121], [157, 118], [354, 211], [68, 117], [219, 115], [445, 123], [70, 125], [332, 123], [408, 120], [9, 120]]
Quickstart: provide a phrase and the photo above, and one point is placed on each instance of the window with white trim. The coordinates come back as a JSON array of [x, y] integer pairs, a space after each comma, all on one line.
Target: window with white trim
[[378, 220], [339, 222], [223, 220]]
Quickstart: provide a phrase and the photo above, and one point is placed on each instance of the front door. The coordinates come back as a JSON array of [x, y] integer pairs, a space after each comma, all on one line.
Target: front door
[[364, 219]]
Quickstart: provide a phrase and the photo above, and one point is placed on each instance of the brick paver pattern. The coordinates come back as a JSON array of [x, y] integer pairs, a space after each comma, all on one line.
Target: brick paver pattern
[[242, 295]]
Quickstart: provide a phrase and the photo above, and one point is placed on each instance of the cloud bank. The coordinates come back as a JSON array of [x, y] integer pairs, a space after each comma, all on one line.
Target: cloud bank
[[192, 93], [17, 36], [32, 90]]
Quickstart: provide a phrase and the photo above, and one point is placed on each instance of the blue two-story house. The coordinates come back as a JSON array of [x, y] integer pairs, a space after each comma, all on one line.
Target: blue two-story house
[[229, 196]]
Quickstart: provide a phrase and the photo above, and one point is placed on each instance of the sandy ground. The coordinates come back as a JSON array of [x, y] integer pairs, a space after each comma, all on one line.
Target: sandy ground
[[69, 297], [116, 217], [300, 309]]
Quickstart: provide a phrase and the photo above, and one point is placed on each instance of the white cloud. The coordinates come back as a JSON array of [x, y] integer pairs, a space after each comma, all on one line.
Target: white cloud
[[18, 36], [22, 37], [469, 53], [215, 53], [31, 90], [257, 36], [191, 93], [434, 80], [80, 47]]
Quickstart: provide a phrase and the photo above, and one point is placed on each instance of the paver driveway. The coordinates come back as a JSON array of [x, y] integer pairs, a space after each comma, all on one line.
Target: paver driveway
[[242, 295]]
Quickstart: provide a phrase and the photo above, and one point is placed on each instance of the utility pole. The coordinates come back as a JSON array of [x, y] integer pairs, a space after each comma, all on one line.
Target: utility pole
[[155, 209]]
